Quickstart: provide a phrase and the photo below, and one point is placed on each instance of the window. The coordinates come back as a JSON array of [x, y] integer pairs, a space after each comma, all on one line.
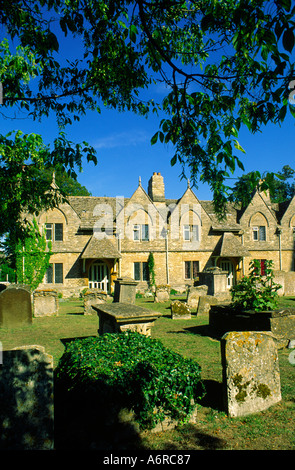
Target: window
[[54, 273], [191, 233], [54, 232], [259, 233], [191, 269], [141, 232], [141, 271]]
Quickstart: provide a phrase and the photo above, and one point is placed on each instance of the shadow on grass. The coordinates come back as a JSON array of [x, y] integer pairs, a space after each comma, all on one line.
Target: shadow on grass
[[89, 420], [191, 438], [203, 330], [214, 395]]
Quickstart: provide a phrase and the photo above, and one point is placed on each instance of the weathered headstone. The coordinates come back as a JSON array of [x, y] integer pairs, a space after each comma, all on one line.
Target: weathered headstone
[[162, 294], [45, 302], [251, 375], [26, 405], [194, 294], [205, 302], [93, 297], [125, 290], [15, 307], [180, 310]]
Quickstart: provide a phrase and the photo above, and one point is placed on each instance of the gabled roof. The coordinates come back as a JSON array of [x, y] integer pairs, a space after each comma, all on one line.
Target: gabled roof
[[230, 246], [98, 248]]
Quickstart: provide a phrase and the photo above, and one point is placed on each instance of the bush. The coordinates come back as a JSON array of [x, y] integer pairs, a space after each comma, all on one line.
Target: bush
[[256, 292], [130, 370]]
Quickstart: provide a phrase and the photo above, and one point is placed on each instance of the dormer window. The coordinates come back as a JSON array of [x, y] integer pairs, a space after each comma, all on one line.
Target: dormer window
[[54, 232], [259, 233], [141, 232], [191, 233]]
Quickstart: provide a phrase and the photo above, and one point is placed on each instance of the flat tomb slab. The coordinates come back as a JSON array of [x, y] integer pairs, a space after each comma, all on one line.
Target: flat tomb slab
[[120, 316]]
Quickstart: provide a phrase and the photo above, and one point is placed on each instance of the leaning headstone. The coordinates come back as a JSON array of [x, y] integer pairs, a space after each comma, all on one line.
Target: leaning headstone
[[15, 307], [26, 405], [194, 294], [180, 310], [45, 302], [251, 375]]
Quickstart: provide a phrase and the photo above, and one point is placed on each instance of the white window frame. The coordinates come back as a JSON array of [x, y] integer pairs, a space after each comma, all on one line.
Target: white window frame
[[191, 233], [141, 232]]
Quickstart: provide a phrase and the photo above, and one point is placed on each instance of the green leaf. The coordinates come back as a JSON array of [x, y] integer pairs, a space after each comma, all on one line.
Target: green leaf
[[154, 139], [133, 33], [238, 146], [288, 40]]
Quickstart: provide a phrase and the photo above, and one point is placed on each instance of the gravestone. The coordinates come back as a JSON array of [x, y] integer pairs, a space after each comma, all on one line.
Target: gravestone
[[93, 297], [205, 303], [15, 307], [162, 294], [251, 375], [194, 294], [45, 302], [180, 310], [125, 290], [26, 405]]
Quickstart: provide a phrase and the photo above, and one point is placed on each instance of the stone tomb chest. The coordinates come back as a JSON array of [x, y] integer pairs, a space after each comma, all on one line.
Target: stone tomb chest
[[119, 316]]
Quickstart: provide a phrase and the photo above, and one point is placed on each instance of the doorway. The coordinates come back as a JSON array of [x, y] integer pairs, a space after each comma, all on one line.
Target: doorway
[[227, 265], [99, 276]]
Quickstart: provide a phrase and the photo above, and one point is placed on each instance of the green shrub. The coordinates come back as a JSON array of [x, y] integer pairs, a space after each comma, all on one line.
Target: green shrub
[[130, 370], [257, 291]]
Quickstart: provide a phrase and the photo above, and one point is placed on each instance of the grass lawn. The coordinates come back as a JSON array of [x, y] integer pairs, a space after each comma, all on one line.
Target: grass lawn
[[272, 429]]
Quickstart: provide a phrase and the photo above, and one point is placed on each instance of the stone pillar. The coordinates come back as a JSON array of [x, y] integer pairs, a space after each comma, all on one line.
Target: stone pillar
[[251, 375]]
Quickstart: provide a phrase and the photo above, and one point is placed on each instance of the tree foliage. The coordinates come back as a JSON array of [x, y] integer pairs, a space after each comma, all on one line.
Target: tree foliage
[[281, 190], [225, 64]]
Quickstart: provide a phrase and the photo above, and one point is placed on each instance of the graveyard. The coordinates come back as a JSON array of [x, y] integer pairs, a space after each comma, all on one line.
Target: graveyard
[[213, 429]]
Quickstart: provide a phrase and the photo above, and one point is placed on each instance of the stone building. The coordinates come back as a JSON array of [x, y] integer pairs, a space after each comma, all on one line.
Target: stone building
[[97, 239]]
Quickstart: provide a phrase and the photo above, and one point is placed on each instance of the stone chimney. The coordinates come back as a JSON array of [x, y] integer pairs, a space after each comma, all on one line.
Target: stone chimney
[[156, 188]]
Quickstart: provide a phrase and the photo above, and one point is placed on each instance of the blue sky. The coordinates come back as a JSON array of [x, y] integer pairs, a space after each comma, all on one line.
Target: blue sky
[[124, 151]]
